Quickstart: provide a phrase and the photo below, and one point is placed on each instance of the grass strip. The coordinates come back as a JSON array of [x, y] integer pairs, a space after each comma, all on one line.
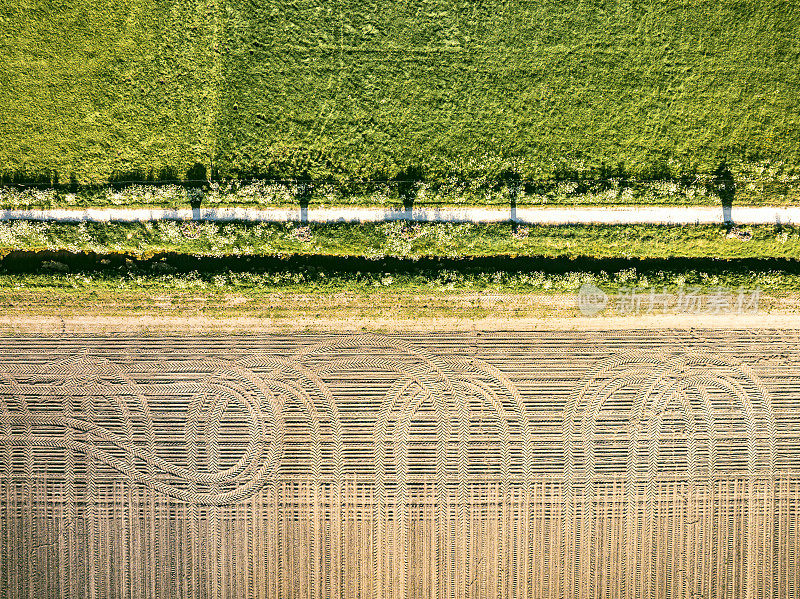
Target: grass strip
[[331, 274], [404, 240], [697, 190]]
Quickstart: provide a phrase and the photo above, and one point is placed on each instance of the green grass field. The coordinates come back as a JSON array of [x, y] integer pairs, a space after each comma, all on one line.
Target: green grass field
[[439, 90], [96, 89]]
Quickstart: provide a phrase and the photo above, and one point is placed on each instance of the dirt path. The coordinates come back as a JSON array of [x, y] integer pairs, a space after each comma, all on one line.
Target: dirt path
[[610, 215], [61, 311], [152, 324]]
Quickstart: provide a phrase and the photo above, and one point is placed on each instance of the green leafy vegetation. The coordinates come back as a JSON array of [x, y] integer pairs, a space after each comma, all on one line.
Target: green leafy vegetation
[[262, 194], [402, 240], [388, 291], [462, 96], [400, 265], [388, 270], [317, 280]]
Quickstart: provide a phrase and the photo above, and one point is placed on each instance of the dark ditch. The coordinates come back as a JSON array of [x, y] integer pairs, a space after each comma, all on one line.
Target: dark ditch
[[42, 262]]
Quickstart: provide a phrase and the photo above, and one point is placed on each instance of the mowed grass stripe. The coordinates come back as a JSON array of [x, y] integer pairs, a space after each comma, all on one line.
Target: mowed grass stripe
[[362, 89]]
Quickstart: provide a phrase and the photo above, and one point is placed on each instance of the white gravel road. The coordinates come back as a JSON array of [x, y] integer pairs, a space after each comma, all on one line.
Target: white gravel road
[[471, 214]]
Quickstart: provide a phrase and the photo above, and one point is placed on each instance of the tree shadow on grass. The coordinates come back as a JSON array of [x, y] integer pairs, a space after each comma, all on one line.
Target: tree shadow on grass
[[408, 182], [304, 189], [511, 179], [725, 186]]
